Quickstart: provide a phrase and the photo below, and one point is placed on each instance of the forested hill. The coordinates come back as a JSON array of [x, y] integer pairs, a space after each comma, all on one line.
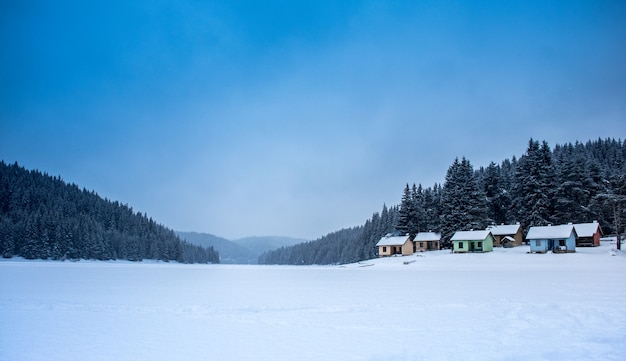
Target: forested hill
[[344, 246], [322, 251], [579, 182], [42, 217]]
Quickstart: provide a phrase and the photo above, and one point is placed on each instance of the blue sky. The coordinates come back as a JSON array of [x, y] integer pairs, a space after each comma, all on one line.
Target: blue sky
[[243, 118]]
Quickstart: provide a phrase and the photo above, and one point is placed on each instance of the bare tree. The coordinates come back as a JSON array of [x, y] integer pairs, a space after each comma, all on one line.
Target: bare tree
[[614, 197]]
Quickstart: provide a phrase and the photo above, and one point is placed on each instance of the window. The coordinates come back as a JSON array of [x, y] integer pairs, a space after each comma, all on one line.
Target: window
[[460, 245], [384, 249], [480, 244], [562, 242], [537, 243], [421, 244]]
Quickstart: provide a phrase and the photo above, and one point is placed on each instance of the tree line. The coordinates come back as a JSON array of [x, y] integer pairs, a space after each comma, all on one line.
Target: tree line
[[577, 183], [42, 217]]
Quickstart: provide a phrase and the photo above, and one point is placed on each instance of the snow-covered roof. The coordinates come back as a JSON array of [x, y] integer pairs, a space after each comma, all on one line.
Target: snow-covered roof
[[508, 238], [427, 236], [586, 229], [550, 232], [504, 229], [470, 235], [392, 241]]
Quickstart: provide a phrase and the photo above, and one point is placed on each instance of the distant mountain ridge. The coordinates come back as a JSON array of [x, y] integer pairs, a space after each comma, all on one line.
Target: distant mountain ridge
[[260, 244], [240, 251]]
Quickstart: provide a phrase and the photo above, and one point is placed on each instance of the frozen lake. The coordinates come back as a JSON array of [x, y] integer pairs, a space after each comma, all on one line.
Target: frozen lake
[[504, 305]]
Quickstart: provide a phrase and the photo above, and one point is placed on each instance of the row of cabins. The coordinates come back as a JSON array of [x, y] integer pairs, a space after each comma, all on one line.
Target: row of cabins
[[404, 245], [562, 238]]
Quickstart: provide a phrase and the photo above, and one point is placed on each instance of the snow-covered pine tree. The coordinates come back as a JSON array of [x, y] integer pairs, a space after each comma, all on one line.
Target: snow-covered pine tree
[[534, 185], [417, 195], [7, 245], [463, 204], [498, 198], [432, 206], [571, 196], [406, 222]]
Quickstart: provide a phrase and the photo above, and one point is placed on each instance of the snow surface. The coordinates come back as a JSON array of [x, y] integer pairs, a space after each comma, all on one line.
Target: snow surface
[[502, 305]]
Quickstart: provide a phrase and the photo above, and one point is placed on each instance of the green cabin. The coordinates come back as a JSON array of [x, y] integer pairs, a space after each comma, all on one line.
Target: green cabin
[[472, 241]]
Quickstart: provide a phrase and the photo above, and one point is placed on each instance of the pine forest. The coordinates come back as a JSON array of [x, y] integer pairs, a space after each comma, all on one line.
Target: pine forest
[[42, 217]]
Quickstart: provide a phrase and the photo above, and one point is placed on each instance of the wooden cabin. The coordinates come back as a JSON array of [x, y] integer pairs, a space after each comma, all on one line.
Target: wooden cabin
[[391, 245], [588, 234], [513, 231], [508, 242], [427, 241], [558, 239], [472, 241]]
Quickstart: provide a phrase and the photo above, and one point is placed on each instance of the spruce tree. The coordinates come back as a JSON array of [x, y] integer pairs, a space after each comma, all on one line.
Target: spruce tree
[[417, 194], [497, 196], [432, 207], [463, 204], [406, 222], [534, 186], [571, 196]]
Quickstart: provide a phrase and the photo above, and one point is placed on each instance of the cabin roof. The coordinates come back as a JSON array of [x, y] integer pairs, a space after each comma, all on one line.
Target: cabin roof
[[504, 229], [550, 232], [392, 241], [586, 229], [508, 238], [427, 236], [470, 235]]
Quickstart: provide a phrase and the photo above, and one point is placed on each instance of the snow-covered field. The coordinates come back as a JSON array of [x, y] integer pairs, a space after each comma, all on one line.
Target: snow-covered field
[[504, 305]]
